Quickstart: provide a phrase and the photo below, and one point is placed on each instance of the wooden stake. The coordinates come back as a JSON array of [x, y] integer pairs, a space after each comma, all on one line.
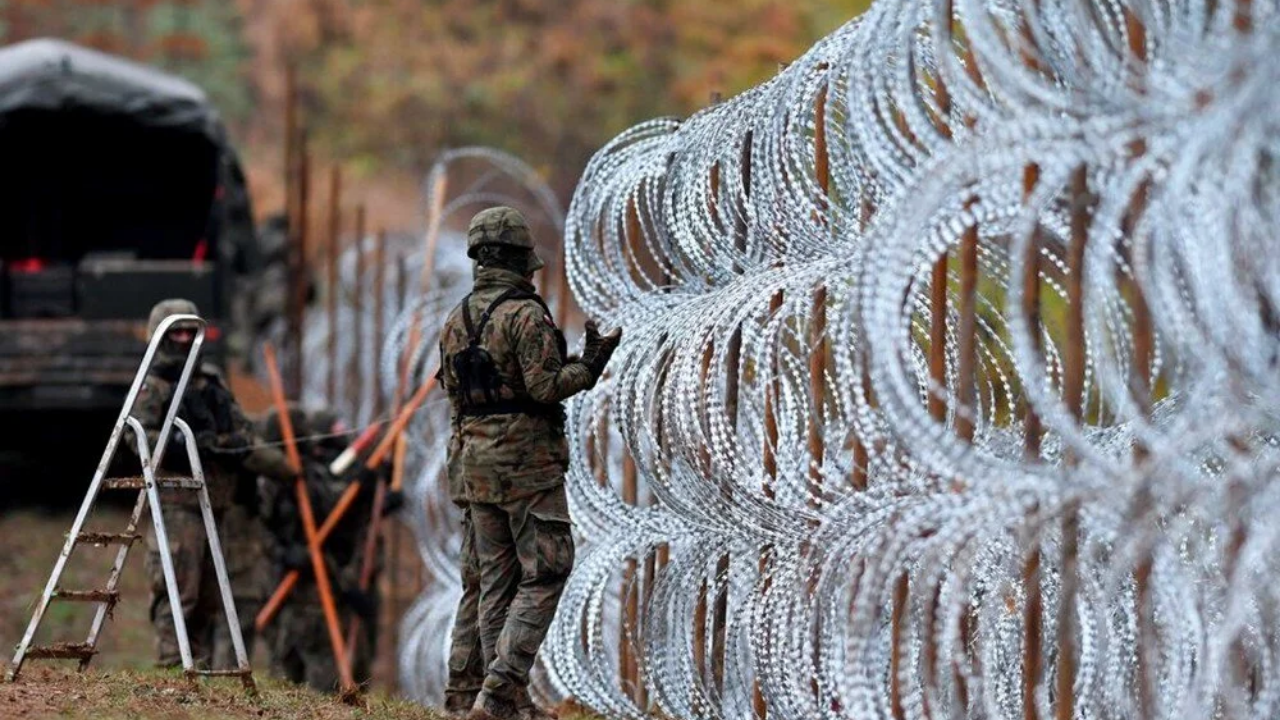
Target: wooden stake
[[1073, 385], [1141, 385], [346, 500], [434, 222], [397, 466], [1074, 352], [299, 278], [355, 364], [290, 146], [897, 622], [1033, 612], [938, 340], [369, 559], [379, 321], [331, 268], [818, 310], [967, 341], [627, 664], [1033, 619], [1031, 309], [318, 567]]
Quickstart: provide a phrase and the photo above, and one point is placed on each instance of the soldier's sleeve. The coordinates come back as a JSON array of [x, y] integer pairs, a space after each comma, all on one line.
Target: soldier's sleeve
[[149, 409], [269, 462], [547, 377], [261, 459], [444, 378]]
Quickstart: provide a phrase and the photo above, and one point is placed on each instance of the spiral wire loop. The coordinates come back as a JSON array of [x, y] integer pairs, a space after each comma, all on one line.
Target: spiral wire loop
[[949, 382]]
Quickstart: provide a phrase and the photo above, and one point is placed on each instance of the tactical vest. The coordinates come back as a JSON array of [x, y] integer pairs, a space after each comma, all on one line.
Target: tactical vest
[[476, 373]]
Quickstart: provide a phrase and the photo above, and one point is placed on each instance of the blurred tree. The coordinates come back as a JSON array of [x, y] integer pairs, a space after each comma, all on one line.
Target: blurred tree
[[549, 80], [387, 83], [201, 40]]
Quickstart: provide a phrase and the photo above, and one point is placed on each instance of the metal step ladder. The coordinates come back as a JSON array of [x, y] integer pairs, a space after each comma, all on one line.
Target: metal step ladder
[[148, 486]]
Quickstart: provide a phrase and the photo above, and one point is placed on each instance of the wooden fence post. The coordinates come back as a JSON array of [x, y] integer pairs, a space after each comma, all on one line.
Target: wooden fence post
[[379, 321], [300, 277], [331, 272], [1033, 612], [1073, 385], [355, 364]]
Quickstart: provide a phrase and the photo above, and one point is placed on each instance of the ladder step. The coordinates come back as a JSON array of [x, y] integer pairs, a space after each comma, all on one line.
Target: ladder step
[[97, 538], [107, 596], [140, 483], [223, 673], [124, 483], [61, 651]]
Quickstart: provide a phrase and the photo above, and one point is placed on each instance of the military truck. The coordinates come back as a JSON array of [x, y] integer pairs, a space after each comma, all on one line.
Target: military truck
[[118, 188]]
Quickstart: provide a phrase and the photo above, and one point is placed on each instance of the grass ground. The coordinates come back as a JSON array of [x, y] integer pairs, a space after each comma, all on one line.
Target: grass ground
[[31, 543], [121, 682], [46, 692]]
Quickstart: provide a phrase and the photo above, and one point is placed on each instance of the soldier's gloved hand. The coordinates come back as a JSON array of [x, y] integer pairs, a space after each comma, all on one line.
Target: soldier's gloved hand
[[392, 502], [234, 441], [206, 439], [361, 603], [597, 348], [367, 478]]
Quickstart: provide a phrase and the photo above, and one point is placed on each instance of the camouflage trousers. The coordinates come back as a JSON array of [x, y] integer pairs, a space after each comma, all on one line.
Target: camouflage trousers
[[197, 587], [301, 651], [244, 548], [523, 553], [466, 655]]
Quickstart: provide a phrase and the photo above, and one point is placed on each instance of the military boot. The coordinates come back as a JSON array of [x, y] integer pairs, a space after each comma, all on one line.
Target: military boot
[[488, 707], [457, 707], [528, 710], [533, 712]]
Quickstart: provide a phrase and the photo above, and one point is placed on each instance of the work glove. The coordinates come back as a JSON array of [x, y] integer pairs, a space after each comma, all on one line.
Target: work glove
[[597, 348], [368, 478], [392, 502], [234, 441]]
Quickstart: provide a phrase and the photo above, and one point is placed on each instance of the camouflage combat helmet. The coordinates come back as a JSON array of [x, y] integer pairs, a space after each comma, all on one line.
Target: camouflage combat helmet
[[322, 422], [165, 308], [501, 226]]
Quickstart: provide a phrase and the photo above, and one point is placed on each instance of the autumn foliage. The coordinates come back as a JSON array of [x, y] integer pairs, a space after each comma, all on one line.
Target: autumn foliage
[[385, 84]]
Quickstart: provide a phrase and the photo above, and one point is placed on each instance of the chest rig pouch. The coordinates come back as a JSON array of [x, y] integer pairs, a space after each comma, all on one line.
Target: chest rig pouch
[[476, 372]]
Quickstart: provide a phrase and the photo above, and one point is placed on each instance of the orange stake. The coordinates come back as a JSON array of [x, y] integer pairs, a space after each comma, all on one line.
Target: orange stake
[[309, 526], [369, 558], [345, 502], [349, 456]]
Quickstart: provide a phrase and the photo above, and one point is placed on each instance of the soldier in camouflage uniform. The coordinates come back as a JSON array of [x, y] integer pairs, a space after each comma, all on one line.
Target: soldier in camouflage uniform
[[299, 637], [226, 444], [466, 654], [505, 368], [245, 549]]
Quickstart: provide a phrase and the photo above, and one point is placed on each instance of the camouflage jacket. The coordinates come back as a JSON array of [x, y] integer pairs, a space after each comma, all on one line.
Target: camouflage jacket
[[213, 414], [498, 458]]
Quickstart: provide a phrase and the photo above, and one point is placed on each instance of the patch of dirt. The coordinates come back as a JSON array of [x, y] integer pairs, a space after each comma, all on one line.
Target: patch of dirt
[[50, 692]]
